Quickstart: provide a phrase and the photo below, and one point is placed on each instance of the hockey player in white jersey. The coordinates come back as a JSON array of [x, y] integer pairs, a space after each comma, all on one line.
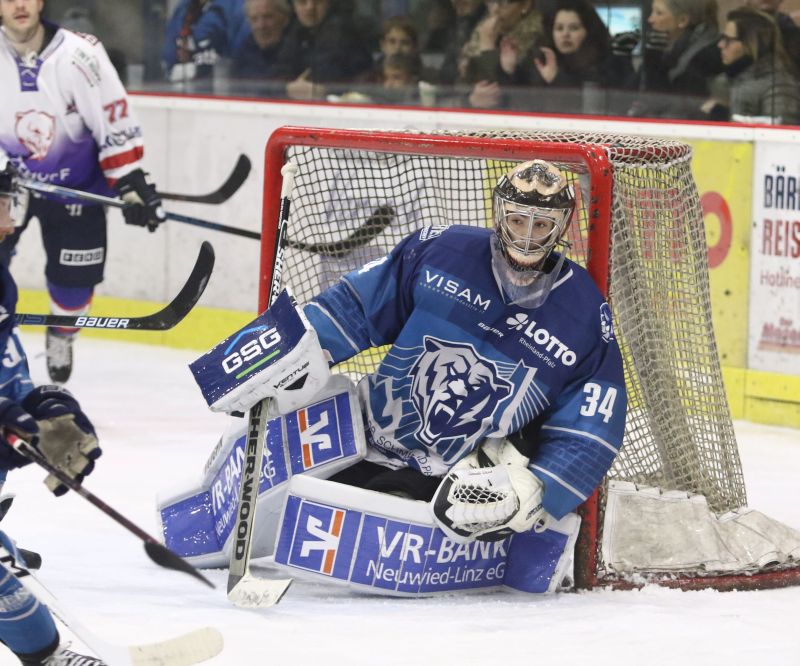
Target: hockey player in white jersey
[[66, 120], [51, 419]]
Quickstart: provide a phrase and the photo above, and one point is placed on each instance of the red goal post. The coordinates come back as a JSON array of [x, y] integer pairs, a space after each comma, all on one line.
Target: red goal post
[[639, 232]]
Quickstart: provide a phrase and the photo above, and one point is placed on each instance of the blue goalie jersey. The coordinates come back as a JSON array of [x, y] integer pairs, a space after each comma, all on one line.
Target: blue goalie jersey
[[464, 365]]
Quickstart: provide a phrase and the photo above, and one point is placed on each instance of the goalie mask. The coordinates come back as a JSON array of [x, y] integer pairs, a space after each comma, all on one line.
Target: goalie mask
[[533, 206]]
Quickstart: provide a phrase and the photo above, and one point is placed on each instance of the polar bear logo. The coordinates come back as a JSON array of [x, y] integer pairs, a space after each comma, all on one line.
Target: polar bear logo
[[454, 390], [36, 131]]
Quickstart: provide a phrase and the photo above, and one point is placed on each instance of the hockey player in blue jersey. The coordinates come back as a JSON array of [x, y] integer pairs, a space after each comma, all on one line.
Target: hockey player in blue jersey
[[50, 418], [502, 394]]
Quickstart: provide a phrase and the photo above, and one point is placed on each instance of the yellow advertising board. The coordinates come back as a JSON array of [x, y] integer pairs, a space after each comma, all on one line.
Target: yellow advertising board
[[724, 174]]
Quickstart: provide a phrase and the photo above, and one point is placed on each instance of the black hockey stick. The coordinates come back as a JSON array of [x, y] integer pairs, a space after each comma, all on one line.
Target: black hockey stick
[[162, 320], [223, 193], [244, 589], [79, 195], [380, 219], [157, 552]]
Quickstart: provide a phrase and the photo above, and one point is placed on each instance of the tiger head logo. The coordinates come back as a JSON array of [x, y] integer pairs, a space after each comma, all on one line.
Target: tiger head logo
[[454, 390], [36, 131]]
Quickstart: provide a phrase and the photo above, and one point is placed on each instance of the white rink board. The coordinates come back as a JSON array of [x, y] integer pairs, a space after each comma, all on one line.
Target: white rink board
[[191, 146]]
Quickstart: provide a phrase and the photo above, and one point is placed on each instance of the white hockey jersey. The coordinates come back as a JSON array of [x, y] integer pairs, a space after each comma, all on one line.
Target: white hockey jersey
[[65, 118]]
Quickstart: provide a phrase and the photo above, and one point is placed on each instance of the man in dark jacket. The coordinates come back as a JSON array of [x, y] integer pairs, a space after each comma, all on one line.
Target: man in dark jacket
[[322, 46]]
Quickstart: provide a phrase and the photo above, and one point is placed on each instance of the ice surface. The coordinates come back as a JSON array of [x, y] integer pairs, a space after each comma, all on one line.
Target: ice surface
[[155, 430]]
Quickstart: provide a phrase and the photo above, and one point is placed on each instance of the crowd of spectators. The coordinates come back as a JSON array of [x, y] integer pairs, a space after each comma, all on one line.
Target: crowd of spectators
[[684, 61]]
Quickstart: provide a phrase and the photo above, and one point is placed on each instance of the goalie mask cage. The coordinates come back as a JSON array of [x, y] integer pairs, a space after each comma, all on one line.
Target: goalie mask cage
[[638, 229]]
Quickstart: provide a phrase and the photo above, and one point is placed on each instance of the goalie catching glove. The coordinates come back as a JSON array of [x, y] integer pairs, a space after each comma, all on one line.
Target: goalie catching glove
[[489, 494], [52, 421]]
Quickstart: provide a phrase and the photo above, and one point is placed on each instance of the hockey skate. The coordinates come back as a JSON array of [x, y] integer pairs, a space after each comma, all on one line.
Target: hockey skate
[[59, 356], [64, 657]]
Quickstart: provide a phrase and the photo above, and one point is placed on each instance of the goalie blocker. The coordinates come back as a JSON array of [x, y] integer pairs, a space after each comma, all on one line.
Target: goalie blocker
[[277, 355]]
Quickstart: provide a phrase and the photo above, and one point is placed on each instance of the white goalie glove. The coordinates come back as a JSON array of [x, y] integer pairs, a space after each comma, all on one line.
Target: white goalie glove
[[489, 494]]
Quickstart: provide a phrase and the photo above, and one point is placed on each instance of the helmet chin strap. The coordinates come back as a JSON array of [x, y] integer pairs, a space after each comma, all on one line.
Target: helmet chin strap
[[529, 287]]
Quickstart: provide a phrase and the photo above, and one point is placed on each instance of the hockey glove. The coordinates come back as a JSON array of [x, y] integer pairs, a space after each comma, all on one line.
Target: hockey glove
[[15, 419], [489, 495], [145, 209], [66, 436], [7, 173]]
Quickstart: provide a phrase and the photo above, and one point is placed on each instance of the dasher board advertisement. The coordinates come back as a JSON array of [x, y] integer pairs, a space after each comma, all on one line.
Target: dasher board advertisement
[[774, 340]]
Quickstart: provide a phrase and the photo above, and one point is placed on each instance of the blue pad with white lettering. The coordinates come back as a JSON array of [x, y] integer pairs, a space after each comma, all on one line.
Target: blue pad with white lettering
[[321, 439], [389, 545], [277, 355]]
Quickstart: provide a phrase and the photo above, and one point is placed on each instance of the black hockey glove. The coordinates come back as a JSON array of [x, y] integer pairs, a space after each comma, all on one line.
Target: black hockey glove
[[145, 209], [15, 419], [66, 436], [7, 173]]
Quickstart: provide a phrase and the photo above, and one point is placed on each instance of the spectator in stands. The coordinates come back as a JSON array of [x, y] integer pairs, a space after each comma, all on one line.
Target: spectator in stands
[[198, 33], [499, 52], [762, 86], [790, 31], [401, 76], [577, 62], [256, 56], [436, 25], [681, 75], [468, 15], [321, 48]]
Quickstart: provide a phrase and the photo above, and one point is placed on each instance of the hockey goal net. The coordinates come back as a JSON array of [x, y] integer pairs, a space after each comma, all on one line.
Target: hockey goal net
[[673, 507]]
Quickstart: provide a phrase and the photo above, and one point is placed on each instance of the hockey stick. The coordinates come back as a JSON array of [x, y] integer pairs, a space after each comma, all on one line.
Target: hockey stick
[[190, 648], [380, 219], [221, 194], [157, 552], [244, 589], [79, 195], [162, 320]]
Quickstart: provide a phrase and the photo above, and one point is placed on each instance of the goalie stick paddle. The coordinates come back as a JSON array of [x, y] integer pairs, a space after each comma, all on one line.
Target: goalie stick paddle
[[244, 589], [157, 552], [221, 194], [184, 650], [162, 320]]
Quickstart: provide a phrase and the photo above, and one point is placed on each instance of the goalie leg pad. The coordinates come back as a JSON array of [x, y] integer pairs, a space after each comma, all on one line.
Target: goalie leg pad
[[390, 545], [321, 439]]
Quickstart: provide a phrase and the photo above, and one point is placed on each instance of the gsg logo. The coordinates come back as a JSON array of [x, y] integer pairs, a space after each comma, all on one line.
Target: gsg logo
[[252, 349]]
